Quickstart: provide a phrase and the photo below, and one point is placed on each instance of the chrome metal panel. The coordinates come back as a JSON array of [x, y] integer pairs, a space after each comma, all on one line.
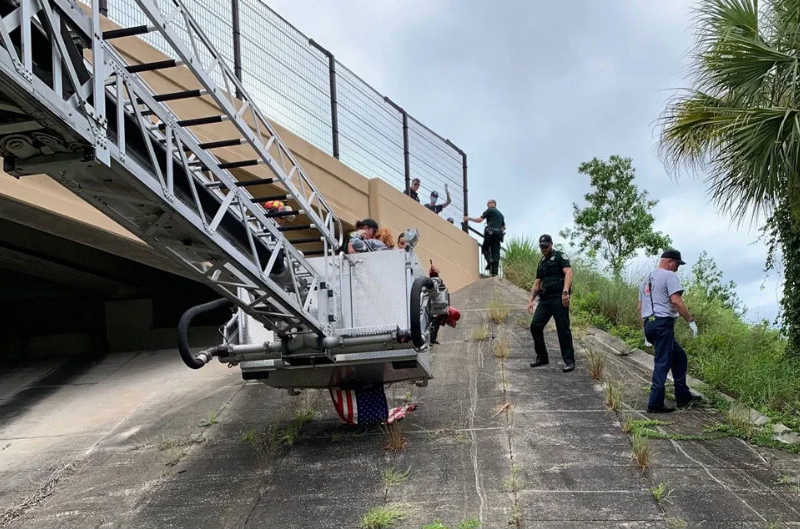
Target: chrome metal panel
[[378, 289]]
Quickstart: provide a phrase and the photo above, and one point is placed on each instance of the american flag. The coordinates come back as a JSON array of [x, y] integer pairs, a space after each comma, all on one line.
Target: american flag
[[360, 406]]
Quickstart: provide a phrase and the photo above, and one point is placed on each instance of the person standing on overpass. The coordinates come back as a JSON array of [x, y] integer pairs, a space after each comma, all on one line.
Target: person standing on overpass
[[437, 208], [492, 234], [553, 285]]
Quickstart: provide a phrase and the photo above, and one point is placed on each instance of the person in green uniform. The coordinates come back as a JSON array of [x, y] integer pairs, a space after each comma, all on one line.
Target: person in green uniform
[[492, 234], [553, 285]]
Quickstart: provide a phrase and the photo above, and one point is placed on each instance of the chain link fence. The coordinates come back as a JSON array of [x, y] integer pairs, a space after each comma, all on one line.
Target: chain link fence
[[290, 79]]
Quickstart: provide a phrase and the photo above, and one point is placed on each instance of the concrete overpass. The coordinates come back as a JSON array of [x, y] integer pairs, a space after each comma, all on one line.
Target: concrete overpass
[[79, 282]]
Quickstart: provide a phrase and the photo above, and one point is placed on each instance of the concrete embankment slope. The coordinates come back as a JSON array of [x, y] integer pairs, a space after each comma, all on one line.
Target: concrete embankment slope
[[140, 441]]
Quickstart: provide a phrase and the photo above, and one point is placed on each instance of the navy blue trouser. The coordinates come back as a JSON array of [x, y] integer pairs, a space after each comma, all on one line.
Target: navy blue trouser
[[669, 356], [552, 307]]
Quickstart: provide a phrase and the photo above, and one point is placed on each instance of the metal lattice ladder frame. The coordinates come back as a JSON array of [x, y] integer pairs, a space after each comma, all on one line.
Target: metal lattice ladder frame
[[82, 117]]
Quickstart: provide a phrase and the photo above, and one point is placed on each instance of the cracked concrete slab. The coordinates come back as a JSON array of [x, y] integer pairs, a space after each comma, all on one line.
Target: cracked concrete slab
[[148, 443]]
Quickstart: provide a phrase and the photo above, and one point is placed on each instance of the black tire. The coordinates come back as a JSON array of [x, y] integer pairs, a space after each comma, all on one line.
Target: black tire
[[417, 332]]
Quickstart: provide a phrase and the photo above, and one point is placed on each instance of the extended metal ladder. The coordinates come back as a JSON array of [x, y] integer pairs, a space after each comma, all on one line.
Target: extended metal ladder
[[72, 107]]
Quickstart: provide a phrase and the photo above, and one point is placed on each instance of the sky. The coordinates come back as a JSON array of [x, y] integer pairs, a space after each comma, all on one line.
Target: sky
[[532, 89]]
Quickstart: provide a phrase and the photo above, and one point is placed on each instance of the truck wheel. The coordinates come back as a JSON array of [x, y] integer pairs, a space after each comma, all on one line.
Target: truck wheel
[[420, 310]]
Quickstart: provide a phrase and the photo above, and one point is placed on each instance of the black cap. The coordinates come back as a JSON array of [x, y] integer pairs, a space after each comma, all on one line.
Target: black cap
[[369, 223], [672, 254], [545, 239], [435, 193]]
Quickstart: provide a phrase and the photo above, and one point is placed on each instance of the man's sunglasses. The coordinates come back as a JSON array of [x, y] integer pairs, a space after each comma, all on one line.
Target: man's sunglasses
[[544, 245]]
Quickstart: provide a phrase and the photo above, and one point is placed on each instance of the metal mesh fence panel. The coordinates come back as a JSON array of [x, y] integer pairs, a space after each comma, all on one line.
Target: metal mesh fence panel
[[289, 79]]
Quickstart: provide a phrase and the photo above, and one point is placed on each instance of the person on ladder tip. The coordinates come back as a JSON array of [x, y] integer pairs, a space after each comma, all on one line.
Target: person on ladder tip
[[492, 234], [553, 285]]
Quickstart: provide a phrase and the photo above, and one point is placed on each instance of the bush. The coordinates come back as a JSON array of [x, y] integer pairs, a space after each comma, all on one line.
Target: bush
[[748, 361]]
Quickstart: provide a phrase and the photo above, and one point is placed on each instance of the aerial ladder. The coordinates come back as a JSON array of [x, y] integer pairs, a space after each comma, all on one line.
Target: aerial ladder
[[73, 107]]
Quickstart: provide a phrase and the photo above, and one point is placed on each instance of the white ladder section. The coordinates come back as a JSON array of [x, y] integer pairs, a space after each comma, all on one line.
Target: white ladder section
[[115, 142]]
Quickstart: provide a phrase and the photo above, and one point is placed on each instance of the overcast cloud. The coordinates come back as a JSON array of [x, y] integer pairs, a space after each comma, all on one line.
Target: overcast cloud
[[532, 89]]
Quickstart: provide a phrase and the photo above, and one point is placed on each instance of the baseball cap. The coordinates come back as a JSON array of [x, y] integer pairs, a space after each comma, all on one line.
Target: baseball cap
[[435, 194], [671, 253], [545, 239]]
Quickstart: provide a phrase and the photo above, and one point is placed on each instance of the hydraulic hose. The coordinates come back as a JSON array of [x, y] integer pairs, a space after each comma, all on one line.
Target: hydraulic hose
[[183, 331]]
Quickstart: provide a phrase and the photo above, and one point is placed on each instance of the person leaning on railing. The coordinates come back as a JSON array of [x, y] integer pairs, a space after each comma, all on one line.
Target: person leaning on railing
[[492, 234]]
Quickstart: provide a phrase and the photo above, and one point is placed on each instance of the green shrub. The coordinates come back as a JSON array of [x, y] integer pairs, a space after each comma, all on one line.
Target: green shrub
[[748, 361]]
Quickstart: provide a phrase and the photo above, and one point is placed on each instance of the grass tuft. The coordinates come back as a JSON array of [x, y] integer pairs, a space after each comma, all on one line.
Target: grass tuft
[[596, 363], [498, 311], [661, 492], [393, 436], [613, 395], [675, 523], [641, 451], [392, 477], [514, 482], [501, 348], [383, 516], [481, 333]]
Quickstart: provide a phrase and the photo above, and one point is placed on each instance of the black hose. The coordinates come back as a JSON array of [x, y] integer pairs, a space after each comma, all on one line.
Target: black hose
[[183, 330]]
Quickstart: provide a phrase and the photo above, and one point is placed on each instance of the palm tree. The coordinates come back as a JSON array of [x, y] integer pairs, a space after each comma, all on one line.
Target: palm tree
[[741, 123]]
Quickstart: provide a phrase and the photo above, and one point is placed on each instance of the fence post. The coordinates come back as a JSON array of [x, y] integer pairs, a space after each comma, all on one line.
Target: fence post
[[406, 161], [237, 43], [334, 102], [104, 7], [464, 225]]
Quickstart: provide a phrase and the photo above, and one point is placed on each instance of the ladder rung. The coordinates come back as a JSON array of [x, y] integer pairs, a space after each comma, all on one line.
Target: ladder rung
[[306, 240], [234, 165], [171, 96], [271, 197], [195, 121], [221, 143], [274, 214], [295, 228], [126, 32], [256, 182], [148, 66]]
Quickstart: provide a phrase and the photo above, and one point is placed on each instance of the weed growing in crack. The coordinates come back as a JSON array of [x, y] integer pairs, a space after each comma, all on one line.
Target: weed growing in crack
[[481, 333], [392, 477], [501, 346], [384, 516], [596, 363], [627, 424], [515, 520], [210, 421], [291, 433], [675, 523], [498, 311], [523, 321], [393, 435], [738, 416], [613, 395], [514, 482], [661, 492], [641, 451], [471, 523]]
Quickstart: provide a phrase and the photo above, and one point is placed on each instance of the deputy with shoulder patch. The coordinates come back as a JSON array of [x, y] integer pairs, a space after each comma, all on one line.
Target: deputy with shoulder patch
[[553, 286]]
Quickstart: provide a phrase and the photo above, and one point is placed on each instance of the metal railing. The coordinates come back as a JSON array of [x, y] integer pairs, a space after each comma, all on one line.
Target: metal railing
[[301, 85]]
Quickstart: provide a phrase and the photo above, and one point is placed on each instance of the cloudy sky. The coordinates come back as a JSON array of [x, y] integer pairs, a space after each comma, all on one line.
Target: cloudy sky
[[530, 90]]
